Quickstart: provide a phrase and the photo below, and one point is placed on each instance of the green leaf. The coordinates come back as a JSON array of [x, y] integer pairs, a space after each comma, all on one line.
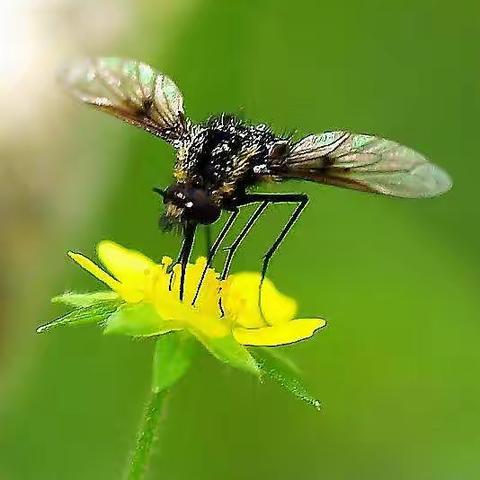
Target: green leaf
[[228, 350], [86, 299], [172, 358], [138, 320], [95, 313], [284, 372]]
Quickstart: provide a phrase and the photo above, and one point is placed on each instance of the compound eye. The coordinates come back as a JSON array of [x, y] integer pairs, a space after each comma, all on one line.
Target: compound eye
[[175, 195], [178, 195]]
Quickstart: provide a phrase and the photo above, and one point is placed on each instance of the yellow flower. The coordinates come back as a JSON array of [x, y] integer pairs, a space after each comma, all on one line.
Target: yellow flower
[[140, 282]]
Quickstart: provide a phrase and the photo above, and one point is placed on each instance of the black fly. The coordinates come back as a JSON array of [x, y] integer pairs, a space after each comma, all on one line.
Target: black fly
[[218, 160]]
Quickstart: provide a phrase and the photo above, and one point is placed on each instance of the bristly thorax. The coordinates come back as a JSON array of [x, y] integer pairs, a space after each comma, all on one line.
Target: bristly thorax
[[221, 155]]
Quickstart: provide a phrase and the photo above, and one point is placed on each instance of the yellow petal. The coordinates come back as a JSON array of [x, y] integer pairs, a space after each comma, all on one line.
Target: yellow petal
[[128, 294], [95, 270], [240, 299], [128, 266], [280, 334]]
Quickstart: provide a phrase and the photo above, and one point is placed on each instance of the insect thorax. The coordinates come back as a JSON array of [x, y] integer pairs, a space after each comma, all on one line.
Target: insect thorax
[[223, 154]]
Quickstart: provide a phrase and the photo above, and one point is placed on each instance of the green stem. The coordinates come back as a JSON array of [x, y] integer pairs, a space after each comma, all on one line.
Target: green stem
[[146, 436]]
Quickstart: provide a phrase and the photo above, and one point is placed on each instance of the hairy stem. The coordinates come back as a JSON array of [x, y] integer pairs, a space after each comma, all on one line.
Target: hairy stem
[[146, 436]]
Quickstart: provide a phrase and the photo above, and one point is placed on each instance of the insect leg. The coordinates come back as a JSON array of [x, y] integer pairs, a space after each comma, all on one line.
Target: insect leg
[[189, 237], [170, 268], [208, 239], [243, 233], [214, 249], [301, 200]]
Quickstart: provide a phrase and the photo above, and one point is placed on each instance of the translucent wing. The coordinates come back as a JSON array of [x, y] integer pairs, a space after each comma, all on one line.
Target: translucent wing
[[130, 90], [366, 163]]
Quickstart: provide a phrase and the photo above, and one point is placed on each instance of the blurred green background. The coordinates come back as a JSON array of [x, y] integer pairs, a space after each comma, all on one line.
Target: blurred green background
[[397, 368]]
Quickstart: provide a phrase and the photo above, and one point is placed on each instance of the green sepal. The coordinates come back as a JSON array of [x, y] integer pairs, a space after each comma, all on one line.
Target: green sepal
[[137, 320], [86, 299], [229, 351], [283, 371], [172, 359], [98, 312]]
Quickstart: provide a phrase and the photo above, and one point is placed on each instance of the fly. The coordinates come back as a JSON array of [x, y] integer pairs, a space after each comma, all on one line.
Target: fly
[[219, 160]]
